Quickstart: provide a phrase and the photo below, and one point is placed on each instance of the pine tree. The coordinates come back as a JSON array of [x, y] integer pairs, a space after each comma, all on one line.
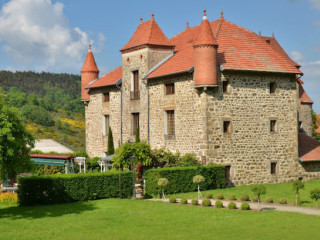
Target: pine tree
[[110, 143], [137, 135]]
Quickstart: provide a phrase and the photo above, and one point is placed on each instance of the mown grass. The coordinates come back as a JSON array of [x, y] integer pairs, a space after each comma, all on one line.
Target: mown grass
[[142, 219], [276, 191]]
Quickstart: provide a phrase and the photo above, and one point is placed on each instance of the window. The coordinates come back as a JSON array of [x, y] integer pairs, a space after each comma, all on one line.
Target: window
[[226, 127], [170, 122], [106, 125], [273, 169], [272, 87], [273, 125], [227, 169], [225, 86], [135, 122], [135, 93], [106, 97], [169, 88]]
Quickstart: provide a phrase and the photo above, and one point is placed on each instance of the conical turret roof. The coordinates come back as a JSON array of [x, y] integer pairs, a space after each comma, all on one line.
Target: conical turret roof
[[205, 35], [90, 64]]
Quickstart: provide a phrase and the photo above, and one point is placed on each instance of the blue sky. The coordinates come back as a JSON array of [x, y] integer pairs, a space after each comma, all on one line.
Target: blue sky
[[53, 36]]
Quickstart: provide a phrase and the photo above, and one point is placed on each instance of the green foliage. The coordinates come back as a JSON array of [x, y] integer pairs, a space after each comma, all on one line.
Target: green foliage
[[208, 195], [163, 182], [255, 198], [172, 199], [137, 135], [297, 185], [232, 197], [315, 194], [189, 159], [184, 201], [283, 201], [245, 206], [123, 154], [206, 202], [110, 143], [198, 179], [269, 200], [194, 202], [259, 190], [232, 205], [15, 142], [219, 196], [244, 197], [37, 114], [181, 178], [219, 204], [315, 122], [73, 187]]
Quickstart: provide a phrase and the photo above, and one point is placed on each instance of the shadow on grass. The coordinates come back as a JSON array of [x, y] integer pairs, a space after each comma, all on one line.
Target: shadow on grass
[[55, 210]]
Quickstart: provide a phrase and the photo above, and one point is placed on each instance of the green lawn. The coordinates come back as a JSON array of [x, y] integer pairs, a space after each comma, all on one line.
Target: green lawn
[[276, 191], [142, 219]]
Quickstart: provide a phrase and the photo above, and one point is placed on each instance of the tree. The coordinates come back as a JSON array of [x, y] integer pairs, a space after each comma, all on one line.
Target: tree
[[137, 135], [259, 190], [197, 180], [297, 185], [110, 143], [15, 142], [162, 182], [315, 194]]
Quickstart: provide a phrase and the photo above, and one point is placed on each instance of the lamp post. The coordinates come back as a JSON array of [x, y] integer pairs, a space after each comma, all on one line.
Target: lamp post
[[133, 177]]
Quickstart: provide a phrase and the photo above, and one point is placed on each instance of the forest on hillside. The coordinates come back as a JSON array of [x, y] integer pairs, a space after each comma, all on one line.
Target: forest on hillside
[[50, 104]]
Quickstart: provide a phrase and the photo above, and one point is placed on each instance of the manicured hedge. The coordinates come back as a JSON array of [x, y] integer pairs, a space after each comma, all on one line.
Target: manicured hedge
[[73, 187], [180, 178]]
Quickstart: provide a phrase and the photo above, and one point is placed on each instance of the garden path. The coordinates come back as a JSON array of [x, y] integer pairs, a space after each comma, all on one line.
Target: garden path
[[263, 206]]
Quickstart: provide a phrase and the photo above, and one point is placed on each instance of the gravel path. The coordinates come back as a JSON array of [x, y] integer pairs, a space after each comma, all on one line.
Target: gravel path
[[263, 206]]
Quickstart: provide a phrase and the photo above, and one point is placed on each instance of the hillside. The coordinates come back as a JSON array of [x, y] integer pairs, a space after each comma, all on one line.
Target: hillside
[[50, 104]]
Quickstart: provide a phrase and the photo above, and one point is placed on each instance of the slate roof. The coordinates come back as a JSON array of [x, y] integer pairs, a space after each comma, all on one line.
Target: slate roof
[[309, 148]]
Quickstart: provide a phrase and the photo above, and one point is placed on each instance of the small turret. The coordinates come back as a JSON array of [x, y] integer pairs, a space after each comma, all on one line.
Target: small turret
[[205, 52], [89, 72]]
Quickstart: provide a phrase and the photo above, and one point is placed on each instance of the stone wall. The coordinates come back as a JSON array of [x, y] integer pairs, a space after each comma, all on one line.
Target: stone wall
[[305, 117]]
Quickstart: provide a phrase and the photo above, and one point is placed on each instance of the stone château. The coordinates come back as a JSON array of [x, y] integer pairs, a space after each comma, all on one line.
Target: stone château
[[225, 93]]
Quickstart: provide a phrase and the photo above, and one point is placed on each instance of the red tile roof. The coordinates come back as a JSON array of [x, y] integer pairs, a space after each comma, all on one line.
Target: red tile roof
[[239, 49], [108, 79], [90, 64], [205, 35], [318, 119], [309, 148], [35, 155], [304, 98], [147, 32]]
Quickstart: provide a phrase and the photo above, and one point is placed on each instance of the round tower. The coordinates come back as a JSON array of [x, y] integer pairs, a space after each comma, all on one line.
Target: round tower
[[89, 72], [205, 52]]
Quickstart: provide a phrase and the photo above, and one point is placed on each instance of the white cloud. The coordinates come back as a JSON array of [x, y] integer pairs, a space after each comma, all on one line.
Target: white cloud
[[297, 56], [315, 4], [35, 34]]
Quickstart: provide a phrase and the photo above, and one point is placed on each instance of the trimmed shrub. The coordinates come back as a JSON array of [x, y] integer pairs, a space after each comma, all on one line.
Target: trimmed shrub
[[283, 201], [206, 202], [181, 178], [245, 206], [194, 202], [255, 198], [73, 187], [172, 200], [232, 197], [219, 196], [232, 205], [208, 195], [219, 204], [244, 197], [183, 201], [269, 200]]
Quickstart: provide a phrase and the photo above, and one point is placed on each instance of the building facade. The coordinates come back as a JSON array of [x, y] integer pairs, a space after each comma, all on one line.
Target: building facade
[[227, 94]]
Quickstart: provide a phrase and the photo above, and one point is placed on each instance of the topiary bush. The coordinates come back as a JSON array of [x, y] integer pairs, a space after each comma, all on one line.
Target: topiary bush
[[194, 202], [269, 200], [183, 201], [219, 196], [219, 204], [255, 198], [206, 202], [180, 178], [232, 205], [245, 206], [232, 197], [66, 188], [244, 197], [172, 200], [283, 201], [208, 195]]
